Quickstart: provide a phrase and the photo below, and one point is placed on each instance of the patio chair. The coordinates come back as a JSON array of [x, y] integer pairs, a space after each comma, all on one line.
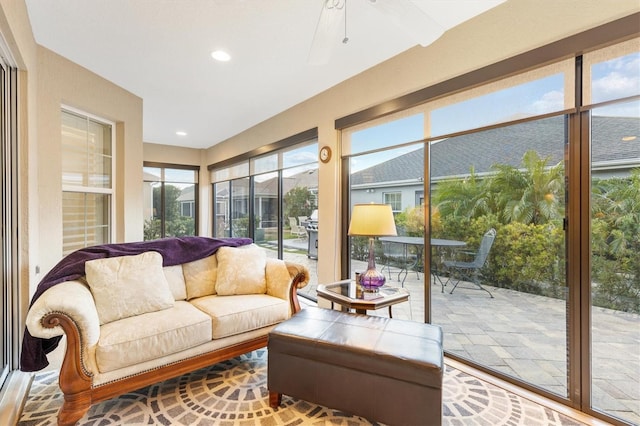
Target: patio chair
[[470, 271], [297, 230], [398, 255]]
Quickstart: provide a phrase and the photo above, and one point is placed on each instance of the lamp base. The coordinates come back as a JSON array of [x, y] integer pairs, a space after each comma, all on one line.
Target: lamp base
[[372, 280]]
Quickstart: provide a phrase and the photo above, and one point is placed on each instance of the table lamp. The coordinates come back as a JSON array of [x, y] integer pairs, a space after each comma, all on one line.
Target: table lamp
[[372, 220]]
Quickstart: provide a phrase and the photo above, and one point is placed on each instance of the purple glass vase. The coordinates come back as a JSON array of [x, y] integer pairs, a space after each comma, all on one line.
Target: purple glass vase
[[372, 279]]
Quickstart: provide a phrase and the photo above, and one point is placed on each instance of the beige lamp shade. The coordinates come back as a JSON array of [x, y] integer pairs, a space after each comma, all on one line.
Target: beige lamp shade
[[372, 220]]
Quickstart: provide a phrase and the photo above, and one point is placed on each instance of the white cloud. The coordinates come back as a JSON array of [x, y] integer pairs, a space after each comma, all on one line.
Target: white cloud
[[550, 101], [620, 78], [615, 85]]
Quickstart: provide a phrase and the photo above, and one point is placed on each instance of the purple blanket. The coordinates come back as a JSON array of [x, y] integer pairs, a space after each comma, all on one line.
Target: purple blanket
[[174, 251]]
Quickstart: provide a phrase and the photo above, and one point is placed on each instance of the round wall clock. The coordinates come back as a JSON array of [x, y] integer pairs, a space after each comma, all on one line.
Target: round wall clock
[[325, 154]]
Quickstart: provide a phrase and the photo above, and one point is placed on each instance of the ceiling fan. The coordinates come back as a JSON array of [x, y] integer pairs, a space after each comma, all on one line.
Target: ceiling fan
[[403, 13]]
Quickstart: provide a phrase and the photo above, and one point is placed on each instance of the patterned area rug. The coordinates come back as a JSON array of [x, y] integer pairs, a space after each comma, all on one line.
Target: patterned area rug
[[235, 392]]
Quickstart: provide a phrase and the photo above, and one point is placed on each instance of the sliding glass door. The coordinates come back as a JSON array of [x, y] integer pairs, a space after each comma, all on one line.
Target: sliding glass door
[[501, 293], [615, 261], [528, 208], [9, 282]]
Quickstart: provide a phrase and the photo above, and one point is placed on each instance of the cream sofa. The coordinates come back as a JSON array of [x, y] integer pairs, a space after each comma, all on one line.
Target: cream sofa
[[130, 322]]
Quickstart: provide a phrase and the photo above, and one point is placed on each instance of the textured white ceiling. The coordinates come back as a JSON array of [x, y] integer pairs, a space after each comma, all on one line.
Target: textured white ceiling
[[160, 50]]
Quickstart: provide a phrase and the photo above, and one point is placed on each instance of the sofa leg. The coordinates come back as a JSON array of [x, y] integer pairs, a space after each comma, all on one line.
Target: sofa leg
[[73, 408], [275, 399]]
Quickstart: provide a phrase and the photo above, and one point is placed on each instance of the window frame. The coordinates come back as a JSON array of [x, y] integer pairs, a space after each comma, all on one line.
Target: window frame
[[394, 203], [109, 191], [162, 181]]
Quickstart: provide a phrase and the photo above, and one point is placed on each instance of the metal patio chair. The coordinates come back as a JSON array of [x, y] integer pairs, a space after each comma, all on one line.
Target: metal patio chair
[[470, 271]]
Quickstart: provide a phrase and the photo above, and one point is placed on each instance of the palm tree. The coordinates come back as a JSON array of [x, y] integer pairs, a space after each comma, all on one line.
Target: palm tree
[[532, 194], [463, 198], [616, 242]]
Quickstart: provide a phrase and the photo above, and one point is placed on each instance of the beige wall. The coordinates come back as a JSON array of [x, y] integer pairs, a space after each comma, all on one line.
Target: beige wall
[[47, 82], [514, 27], [61, 82]]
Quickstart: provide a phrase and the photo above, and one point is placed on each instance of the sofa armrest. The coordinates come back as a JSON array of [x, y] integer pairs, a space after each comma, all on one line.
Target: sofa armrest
[[68, 308], [284, 279]]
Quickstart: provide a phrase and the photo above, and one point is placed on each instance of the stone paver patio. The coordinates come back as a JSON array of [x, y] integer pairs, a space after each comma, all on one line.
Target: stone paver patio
[[524, 336]]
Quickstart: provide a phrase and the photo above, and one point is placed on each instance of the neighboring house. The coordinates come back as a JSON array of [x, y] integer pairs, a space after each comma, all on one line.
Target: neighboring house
[[187, 201], [266, 196], [399, 180]]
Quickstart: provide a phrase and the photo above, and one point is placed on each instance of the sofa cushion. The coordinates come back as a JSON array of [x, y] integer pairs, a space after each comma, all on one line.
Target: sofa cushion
[[236, 314], [175, 278], [149, 336], [241, 270], [126, 286], [200, 277]]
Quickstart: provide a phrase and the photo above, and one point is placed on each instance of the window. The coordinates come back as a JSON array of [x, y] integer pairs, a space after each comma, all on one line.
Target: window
[[170, 200], [395, 199], [272, 197], [87, 180]]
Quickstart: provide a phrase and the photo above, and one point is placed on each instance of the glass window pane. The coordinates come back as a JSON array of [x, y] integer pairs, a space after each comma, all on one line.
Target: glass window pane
[[615, 78], [537, 97], [85, 220], [99, 175], [502, 299], [74, 148], [180, 175], [390, 133], [151, 210], [99, 138], [264, 164], [86, 159], [221, 222], [300, 216], [179, 199], [152, 174], [615, 260], [265, 208], [228, 173], [394, 199], [304, 155], [240, 207], [394, 176]]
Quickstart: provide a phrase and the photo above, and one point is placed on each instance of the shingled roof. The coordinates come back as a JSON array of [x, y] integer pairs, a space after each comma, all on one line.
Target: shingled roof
[[507, 145]]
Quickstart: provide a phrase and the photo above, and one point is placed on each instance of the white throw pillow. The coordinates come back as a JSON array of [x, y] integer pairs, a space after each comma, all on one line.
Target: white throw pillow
[[126, 286], [200, 277], [241, 270]]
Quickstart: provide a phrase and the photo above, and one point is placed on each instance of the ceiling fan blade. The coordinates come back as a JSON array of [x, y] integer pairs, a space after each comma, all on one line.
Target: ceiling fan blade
[[327, 33], [413, 20]]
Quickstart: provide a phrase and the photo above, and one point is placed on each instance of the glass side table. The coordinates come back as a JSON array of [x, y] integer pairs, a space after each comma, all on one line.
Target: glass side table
[[351, 296]]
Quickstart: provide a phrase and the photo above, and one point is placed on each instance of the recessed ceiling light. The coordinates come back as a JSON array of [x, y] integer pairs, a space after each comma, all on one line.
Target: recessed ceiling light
[[220, 55], [629, 138], [181, 133]]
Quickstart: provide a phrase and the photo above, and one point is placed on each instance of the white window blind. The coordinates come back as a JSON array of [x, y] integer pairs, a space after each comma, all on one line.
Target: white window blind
[[87, 180]]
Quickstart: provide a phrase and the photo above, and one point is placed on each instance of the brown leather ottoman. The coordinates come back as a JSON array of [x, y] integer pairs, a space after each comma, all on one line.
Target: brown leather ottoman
[[383, 369]]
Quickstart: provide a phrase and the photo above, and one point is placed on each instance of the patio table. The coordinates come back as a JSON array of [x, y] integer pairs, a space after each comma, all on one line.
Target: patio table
[[440, 244]]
